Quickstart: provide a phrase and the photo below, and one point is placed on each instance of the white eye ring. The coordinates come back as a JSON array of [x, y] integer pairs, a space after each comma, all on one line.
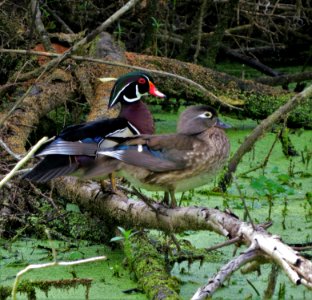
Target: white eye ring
[[206, 115]]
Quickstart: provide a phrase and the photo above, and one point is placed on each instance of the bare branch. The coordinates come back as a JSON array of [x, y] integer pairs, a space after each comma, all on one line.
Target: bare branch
[[55, 62], [217, 280], [224, 244], [199, 30], [56, 16], [7, 149], [39, 25], [137, 213]]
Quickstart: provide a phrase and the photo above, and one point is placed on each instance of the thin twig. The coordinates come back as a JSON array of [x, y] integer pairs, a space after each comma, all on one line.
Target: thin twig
[[148, 201], [56, 16], [253, 287], [51, 264], [175, 241], [266, 159], [224, 244], [38, 191], [36, 14], [7, 149], [134, 192], [199, 29], [304, 248], [19, 172], [244, 203], [23, 161], [268, 294]]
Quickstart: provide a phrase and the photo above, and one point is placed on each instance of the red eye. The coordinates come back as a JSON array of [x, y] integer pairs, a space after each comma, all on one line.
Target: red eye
[[141, 80]]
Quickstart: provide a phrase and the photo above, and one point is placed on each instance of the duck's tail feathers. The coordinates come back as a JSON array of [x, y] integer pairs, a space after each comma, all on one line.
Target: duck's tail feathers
[[52, 166]]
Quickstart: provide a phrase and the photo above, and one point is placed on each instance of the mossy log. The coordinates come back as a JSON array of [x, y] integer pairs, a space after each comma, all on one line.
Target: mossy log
[[258, 101], [150, 270]]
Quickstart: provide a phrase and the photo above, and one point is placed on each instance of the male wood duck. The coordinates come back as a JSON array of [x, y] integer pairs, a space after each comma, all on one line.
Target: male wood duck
[[76, 146], [173, 162]]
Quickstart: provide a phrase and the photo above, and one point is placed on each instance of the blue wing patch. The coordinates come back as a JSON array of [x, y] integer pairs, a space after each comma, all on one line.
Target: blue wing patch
[[96, 139]]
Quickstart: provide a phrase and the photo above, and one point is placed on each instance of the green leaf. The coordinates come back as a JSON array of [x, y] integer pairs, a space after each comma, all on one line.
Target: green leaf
[[122, 230], [117, 238]]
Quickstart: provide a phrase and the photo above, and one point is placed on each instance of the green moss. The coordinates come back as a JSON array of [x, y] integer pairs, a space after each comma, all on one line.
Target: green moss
[[150, 269], [29, 287], [259, 107]]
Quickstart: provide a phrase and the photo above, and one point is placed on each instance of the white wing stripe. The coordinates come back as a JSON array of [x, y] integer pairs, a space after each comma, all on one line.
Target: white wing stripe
[[118, 154]]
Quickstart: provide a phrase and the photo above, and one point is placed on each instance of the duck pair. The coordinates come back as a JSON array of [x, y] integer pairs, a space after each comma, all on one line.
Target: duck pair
[[172, 162]]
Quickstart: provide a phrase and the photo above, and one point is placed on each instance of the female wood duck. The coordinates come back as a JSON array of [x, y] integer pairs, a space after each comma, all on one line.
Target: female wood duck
[[173, 162], [76, 146]]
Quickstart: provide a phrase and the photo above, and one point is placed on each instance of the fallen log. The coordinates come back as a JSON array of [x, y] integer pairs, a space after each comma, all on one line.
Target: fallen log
[[138, 214]]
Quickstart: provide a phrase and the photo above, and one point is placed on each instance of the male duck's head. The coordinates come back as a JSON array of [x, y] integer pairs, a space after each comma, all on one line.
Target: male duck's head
[[130, 87], [196, 119]]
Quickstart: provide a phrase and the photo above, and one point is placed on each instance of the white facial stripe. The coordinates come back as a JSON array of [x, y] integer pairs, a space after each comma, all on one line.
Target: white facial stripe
[[116, 97], [146, 78], [140, 148], [137, 93]]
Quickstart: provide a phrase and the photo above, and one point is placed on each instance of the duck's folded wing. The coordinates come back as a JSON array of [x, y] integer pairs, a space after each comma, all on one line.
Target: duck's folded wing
[[145, 157], [94, 130], [69, 148]]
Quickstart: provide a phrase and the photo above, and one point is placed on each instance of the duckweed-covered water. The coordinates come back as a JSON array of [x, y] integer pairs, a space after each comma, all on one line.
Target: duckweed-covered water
[[291, 216]]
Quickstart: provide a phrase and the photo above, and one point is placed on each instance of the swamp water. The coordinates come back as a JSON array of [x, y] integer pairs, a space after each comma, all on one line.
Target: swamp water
[[291, 216]]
